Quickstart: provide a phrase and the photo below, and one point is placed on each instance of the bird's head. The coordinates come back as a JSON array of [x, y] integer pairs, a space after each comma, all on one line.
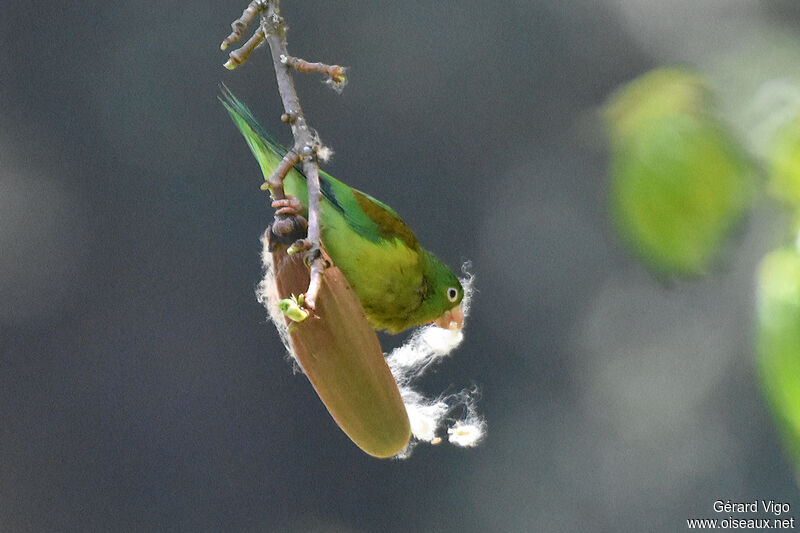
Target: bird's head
[[445, 295]]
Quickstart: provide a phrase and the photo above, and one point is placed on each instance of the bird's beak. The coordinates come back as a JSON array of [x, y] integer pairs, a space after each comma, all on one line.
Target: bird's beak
[[452, 319]]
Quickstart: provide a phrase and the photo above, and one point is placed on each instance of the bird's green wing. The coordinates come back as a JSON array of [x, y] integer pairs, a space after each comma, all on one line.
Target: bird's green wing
[[369, 217]]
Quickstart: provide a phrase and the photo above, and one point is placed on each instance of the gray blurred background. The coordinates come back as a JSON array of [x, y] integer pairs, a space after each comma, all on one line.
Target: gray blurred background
[[141, 387]]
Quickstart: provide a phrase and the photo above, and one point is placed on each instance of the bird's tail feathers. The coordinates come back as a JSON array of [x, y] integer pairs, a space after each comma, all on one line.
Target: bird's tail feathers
[[268, 152]]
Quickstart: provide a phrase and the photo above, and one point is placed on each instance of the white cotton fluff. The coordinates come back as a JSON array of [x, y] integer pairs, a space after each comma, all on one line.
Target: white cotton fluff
[[424, 418], [425, 346], [470, 430], [267, 295], [428, 416], [464, 433]]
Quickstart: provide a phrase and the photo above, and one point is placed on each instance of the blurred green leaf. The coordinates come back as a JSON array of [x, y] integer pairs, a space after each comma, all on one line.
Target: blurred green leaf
[[658, 93], [784, 164], [679, 181], [779, 341]]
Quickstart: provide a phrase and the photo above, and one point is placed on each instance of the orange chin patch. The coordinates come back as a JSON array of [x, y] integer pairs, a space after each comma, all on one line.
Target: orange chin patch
[[451, 319]]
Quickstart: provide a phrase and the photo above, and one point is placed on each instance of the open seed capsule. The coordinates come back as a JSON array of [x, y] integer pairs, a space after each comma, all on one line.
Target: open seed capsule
[[339, 352]]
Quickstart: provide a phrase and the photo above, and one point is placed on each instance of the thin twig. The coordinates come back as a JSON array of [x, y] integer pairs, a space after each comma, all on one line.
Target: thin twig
[[311, 170], [239, 25], [240, 55], [335, 72], [306, 143], [305, 139], [275, 182]]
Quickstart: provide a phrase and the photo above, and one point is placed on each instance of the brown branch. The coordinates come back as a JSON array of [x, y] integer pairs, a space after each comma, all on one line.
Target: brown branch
[[275, 182], [334, 72], [306, 142], [239, 25], [240, 55], [311, 170]]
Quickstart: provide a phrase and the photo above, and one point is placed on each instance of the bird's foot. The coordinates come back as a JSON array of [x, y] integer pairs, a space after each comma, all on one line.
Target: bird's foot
[[313, 252], [289, 206], [286, 230], [310, 252], [300, 245]]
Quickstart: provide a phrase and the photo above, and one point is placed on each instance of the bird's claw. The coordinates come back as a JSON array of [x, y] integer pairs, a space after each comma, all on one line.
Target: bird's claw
[[287, 230], [312, 253], [300, 245], [290, 206]]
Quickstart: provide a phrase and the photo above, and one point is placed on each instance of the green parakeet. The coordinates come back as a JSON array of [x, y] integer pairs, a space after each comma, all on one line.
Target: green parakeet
[[399, 283]]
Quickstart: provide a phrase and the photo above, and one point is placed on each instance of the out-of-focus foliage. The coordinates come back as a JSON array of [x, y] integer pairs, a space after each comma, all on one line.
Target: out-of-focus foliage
[[779, 292], [784, 164], [779, 340], [679, 181]]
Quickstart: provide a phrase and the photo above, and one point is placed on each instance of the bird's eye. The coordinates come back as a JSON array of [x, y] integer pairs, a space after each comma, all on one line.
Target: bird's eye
[[452, 294]]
